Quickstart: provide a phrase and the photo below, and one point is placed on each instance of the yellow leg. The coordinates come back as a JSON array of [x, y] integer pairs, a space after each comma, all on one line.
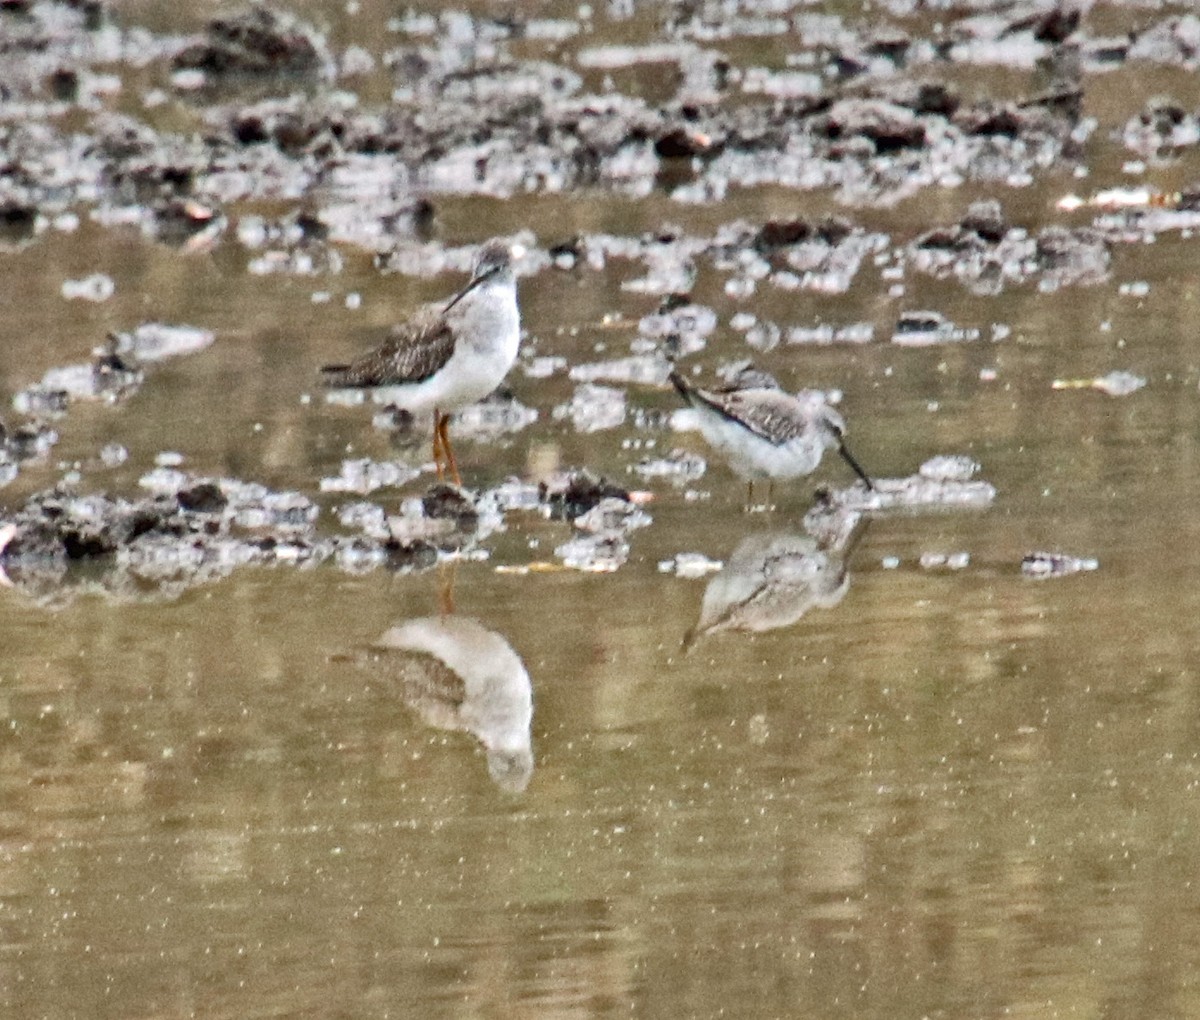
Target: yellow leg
[[437, 443], [450, 450]]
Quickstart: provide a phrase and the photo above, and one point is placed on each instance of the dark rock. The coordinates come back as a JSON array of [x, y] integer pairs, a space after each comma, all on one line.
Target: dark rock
[[575, 494], [1053, 26], [926, 98], [17, 221], [779, 233], [93, 12], [986, 221], [990, 119], [887, 126], [1057, 26], [918, 322], [114, 376], [1066, 102], [1073, 256], [680, 143], [64, 84], [179, 221], [410, 556], [566, 253], [982, 225], [203, 498], [448, 502], [28, 441], [833, 230], [894, 47], [257, 43]]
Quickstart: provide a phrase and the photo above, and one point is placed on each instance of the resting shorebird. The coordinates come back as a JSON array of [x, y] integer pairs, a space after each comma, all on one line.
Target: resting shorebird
[[764, 431], [458, 675], [444, 359]]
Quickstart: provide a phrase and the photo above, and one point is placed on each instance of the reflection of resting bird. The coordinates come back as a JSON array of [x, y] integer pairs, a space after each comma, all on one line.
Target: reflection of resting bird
[[771, 580], [458, 675], [444, 359], [764, 431]]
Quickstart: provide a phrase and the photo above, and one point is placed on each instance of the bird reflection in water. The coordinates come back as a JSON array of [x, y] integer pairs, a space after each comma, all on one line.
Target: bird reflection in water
[[458, 675], [774, 577]]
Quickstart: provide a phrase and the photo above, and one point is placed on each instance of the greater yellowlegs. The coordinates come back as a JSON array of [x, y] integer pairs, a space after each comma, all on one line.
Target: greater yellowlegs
[[446, 358], [764, 431]]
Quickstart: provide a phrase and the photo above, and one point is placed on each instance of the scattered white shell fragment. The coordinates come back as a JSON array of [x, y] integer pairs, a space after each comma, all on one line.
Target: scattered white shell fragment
[[97, 287], [114, 455], [593, 408], [945, 561], [544, 366], [156, 341], [926, 328], [689, 565], [1041, 565], [365, 476], [679, 467], [949, 468], [594, 554]]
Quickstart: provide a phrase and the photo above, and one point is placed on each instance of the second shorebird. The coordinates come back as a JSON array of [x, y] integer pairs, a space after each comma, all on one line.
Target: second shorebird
[[446, 358], [764, 431]]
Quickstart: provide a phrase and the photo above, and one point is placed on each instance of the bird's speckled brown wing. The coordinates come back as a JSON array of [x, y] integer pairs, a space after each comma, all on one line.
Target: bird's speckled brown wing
[[426, 684], [415, 350], [772, 414]]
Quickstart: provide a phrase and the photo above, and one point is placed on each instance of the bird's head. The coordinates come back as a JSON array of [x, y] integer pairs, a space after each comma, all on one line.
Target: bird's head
[[494, 259], [510, 768]]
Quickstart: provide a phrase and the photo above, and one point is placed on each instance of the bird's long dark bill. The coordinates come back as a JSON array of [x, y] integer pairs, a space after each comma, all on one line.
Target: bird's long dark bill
[[475, 282], [846, 456]]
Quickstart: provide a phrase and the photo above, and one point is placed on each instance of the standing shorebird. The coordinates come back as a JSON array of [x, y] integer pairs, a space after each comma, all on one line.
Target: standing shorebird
[[446, 358], [764, 431]]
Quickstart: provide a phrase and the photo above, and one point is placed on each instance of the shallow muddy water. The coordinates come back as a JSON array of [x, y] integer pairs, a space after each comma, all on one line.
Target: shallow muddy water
[[261, 755]]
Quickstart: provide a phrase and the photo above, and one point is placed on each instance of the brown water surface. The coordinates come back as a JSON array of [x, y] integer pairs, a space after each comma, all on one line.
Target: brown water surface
[[955, 793]]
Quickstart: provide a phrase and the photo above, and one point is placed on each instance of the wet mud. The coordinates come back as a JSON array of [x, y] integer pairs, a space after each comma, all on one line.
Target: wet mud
[[259, 136]]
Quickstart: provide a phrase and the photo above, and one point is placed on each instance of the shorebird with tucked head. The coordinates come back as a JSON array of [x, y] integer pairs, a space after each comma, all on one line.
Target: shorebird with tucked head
[[445, 358], [764, 431]]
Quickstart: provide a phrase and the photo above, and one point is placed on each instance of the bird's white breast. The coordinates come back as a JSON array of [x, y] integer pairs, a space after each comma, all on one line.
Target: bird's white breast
[[751, 456], [487, 335]]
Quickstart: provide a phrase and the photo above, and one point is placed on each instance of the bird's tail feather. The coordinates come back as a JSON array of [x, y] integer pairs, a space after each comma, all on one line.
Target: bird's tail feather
[[335, 375]]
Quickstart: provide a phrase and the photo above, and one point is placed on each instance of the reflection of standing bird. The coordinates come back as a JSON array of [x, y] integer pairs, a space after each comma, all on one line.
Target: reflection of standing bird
[[458, 675], [771, 580], [764, 431], [443, 359]]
